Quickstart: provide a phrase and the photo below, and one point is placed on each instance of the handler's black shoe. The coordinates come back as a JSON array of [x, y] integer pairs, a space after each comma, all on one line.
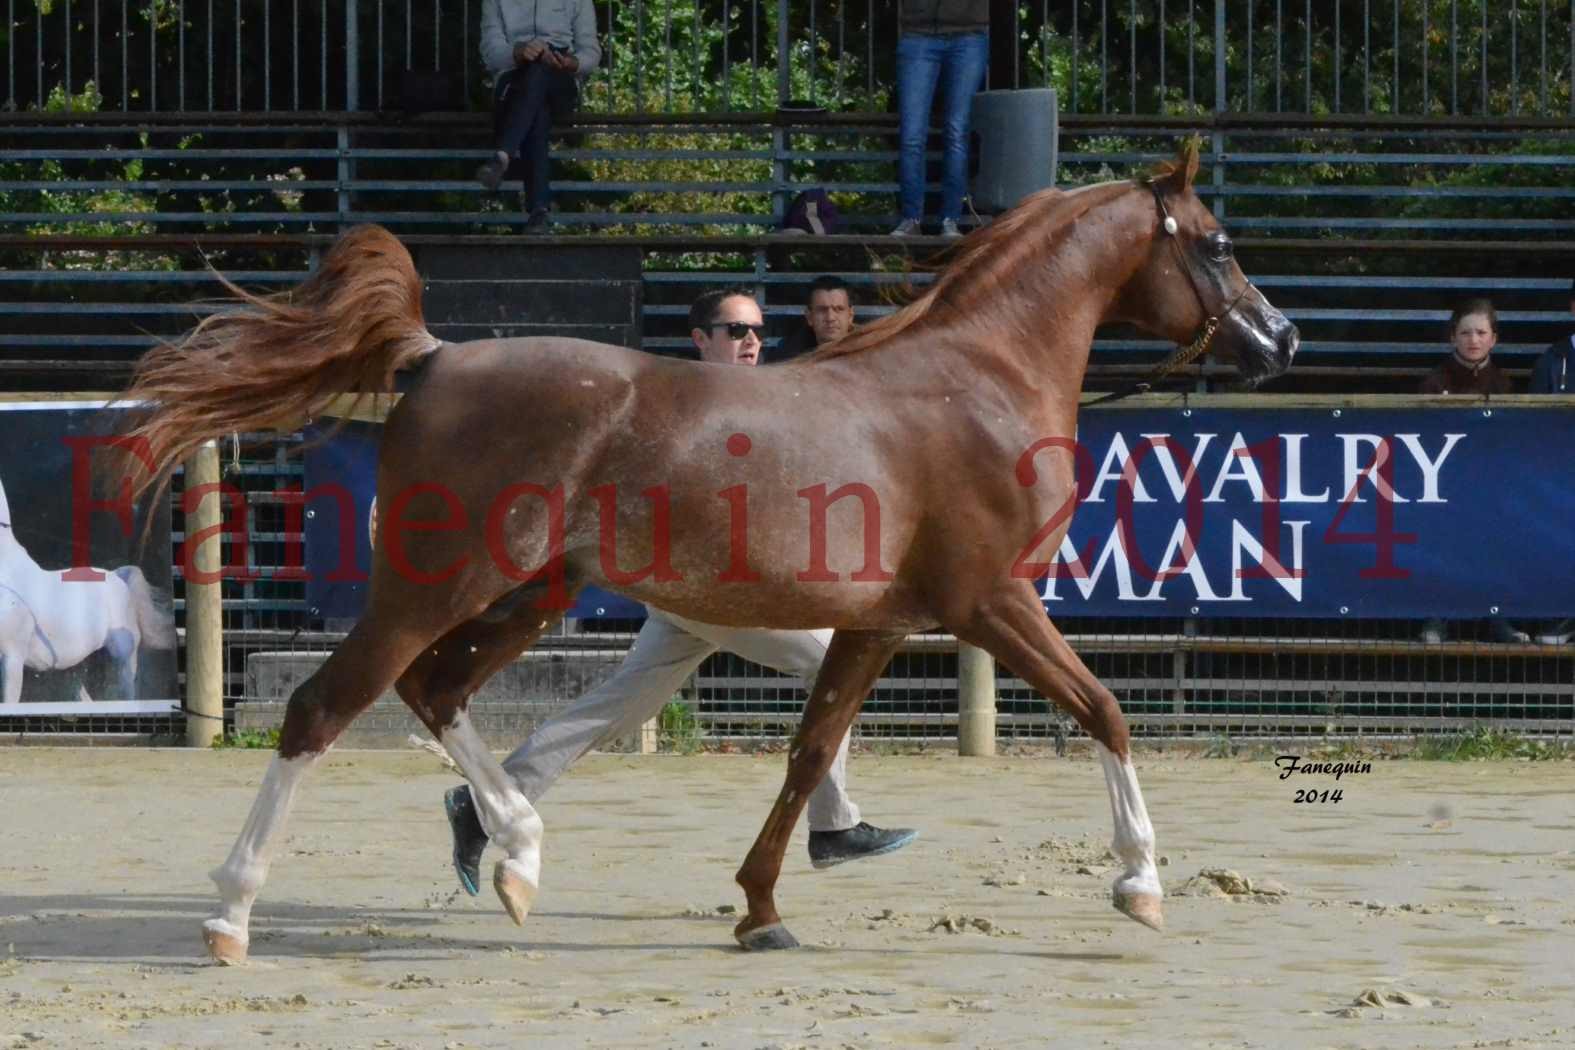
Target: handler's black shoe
[[470, 839], [829, 848]]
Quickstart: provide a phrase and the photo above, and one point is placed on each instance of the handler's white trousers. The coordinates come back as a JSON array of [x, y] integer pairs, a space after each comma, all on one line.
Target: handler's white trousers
[[664, 655]]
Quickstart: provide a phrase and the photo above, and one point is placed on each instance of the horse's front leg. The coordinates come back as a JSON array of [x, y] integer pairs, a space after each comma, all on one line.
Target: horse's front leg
[[853, 661], [16, 634], [11, 667], [438, 685], [1014, 628]]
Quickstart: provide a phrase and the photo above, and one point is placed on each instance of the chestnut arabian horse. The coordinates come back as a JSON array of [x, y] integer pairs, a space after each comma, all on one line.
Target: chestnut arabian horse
[[515, 471]]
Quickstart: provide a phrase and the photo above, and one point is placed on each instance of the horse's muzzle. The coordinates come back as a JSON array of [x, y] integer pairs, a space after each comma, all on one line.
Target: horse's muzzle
[[1265, 339]]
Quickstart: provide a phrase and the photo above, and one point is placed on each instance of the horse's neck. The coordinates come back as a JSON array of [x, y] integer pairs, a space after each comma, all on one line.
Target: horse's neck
[[1047, 319]]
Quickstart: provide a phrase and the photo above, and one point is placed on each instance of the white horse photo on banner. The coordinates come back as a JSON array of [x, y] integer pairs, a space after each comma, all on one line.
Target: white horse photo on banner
[[56, 619], [49, 622]]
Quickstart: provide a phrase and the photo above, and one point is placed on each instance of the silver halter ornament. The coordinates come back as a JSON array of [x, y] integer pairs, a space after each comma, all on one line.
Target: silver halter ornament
[[1182, 355]]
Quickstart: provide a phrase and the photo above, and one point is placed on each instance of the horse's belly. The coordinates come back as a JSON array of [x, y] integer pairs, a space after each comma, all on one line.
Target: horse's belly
[[778, 599], [75, 619]]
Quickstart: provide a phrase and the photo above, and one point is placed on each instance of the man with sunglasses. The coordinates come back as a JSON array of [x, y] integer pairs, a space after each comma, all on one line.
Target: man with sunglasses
[[725, 328]]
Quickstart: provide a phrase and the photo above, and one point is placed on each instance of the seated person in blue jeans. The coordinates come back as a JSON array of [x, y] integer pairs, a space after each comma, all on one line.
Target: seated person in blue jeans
[[539, 52], [945, 42]]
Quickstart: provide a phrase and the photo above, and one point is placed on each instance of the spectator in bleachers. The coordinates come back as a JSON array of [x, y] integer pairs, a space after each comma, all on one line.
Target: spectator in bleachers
[[945, 42], [724, 327], [1473, 329], [539, 55], [828, 316], [1552, 374]]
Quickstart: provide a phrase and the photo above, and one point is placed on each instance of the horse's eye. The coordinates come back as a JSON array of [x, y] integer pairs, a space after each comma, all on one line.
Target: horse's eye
[[1221, 248]]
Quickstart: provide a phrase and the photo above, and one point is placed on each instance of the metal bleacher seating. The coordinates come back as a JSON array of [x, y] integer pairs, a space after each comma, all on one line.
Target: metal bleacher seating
[[1365, 241]]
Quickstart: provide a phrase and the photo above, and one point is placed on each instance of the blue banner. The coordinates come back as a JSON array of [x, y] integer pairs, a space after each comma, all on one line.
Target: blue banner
[[1321, 512], [1457, 512]]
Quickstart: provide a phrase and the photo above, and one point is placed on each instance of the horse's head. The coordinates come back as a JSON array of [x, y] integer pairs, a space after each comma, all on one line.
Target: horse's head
[[1190, 290]]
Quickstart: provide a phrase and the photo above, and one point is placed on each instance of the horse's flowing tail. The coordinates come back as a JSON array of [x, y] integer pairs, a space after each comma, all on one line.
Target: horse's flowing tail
[[281, 359], [155, 620]]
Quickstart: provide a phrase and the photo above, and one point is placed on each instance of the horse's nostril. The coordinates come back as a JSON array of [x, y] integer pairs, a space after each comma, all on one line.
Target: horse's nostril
[[1288, 342]]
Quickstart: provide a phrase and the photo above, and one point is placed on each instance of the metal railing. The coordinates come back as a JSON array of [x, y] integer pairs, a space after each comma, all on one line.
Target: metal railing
[[1366, 247], [1511, 58]]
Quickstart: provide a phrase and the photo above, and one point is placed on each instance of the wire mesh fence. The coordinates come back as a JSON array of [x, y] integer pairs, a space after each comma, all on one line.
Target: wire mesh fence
[[1196, 679]]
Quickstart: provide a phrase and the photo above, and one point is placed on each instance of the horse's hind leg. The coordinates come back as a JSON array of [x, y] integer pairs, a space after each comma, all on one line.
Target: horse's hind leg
[[1014, 628], [354, 675], [121, 645], [438, 686], [853, 661]]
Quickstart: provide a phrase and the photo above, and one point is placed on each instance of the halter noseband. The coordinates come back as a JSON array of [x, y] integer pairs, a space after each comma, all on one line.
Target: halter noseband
[[1182, 355]]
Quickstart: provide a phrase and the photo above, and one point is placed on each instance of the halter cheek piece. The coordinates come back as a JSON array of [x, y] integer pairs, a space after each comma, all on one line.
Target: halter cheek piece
[[1182, 355]]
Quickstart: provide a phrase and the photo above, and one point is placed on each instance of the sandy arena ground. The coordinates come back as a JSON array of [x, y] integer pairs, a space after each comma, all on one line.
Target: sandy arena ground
[[1450, 885]]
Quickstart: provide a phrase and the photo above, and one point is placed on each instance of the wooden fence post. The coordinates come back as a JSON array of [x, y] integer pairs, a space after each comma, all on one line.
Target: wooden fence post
[[204, 610], [975, 701]]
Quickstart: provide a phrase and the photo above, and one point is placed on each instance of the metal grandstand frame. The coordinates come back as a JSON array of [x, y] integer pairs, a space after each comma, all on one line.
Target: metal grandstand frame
[[1419, 174]]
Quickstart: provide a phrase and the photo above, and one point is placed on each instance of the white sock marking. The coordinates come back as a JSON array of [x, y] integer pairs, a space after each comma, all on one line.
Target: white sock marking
[[1134, 838], [245, 870], [506, 814]]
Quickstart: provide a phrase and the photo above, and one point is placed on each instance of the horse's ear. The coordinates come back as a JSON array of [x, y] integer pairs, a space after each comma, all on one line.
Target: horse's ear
[[1187, 160]]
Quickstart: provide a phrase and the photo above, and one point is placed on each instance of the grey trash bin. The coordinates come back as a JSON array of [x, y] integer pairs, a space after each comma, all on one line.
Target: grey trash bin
[[1018, 139]]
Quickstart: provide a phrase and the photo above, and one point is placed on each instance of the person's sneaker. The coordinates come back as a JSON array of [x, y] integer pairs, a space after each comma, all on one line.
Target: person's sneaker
[[829, 848], [470, 839], [906, 228], [1432, 632], [949, 228], [491, 173], [539, 221]]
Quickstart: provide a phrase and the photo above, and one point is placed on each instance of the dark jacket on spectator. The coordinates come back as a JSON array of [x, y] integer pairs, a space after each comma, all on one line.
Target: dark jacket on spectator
[[1454, 377], [945, 16], [1552, 372], [801, 340]]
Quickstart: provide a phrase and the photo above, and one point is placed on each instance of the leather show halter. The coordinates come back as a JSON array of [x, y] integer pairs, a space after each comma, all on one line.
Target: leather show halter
[[1182, 355]]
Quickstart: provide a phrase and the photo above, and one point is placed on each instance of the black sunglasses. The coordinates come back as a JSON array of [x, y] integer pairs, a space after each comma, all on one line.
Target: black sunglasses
[[739, 329]]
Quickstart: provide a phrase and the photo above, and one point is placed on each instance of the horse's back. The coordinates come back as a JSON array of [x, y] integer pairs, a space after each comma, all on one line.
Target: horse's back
[[73, 615], [587, 419]]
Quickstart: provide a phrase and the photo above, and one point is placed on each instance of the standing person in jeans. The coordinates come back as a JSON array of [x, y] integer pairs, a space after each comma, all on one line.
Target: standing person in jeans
[[539, 52], [725, 328], [944, 42]]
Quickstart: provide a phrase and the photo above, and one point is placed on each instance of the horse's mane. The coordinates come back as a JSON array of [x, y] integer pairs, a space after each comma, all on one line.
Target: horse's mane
[[989, 255], [983, 260]]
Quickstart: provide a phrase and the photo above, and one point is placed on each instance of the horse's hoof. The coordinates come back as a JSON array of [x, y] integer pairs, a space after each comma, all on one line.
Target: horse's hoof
[[1141, 907], [224, 948], [514, 891], [773, 937]]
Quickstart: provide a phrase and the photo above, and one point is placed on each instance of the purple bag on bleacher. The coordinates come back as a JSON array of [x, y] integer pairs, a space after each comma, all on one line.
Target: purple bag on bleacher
[[812, 211]]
